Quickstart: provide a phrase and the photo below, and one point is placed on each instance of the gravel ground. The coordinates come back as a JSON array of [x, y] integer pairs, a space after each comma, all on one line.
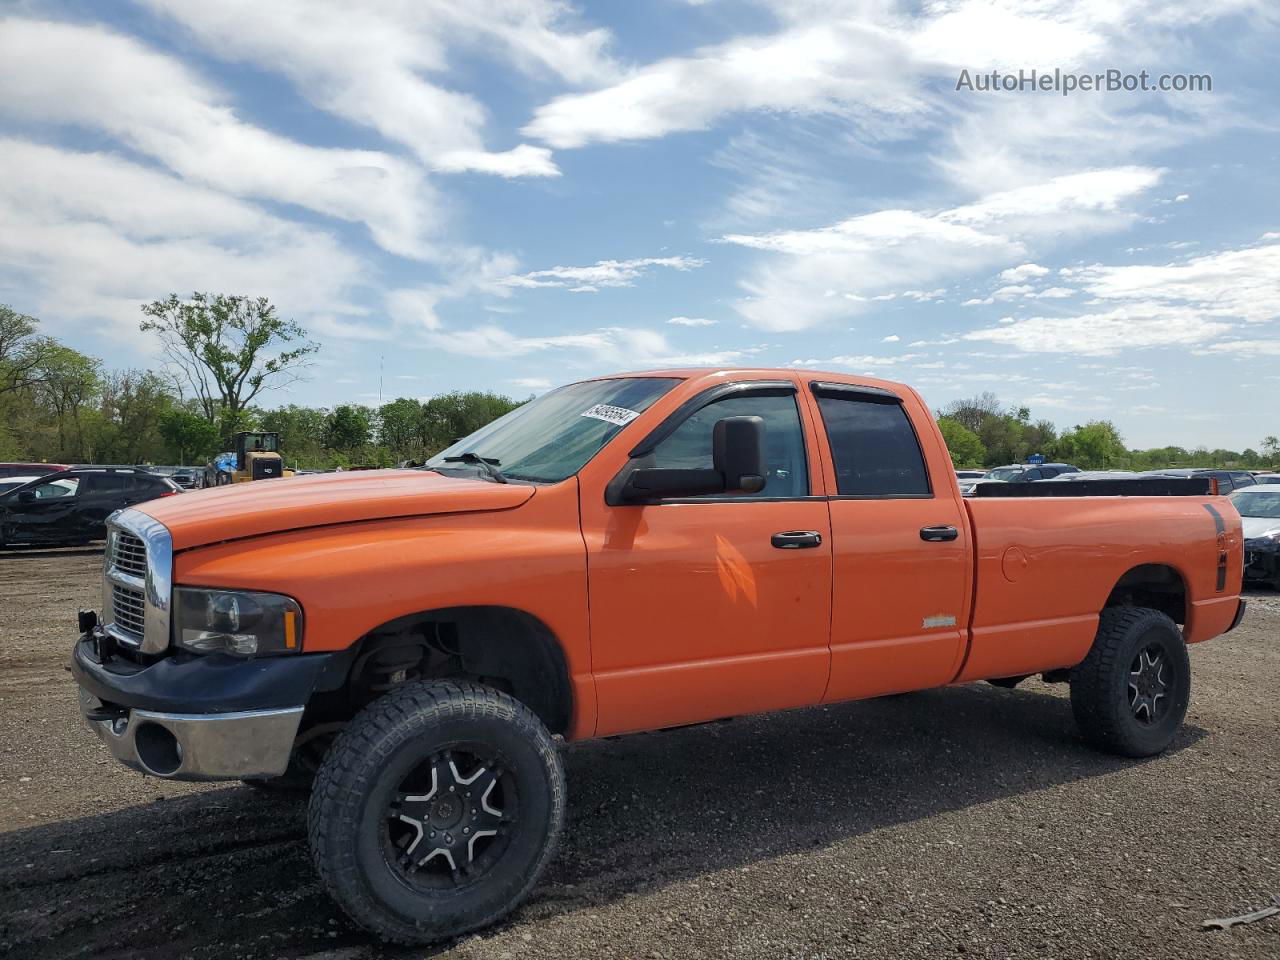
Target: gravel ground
[[967, 820]]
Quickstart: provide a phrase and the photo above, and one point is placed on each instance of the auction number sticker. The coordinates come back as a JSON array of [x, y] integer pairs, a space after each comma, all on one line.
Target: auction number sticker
[[618, 416]]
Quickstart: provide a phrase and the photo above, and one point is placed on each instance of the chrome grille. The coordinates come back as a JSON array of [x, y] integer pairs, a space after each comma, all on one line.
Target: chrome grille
[[129, 609], [128, 554]]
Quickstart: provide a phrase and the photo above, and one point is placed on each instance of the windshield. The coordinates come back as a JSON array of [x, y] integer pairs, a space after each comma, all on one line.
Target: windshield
[[1252, 503], [258, 442], [550, 438], [1003, 473]]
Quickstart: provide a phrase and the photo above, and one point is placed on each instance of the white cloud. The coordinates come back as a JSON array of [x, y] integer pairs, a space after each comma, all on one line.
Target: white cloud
[[692, 322], [1054, 293], [1248, 348], [62, 73], [77, 233], [532, 383], [370, 63], [976, 302], [794, 289], [868, 62], [602, 273], [858, 360], [1012, 292], [892, 338], [847, 66], [1129, 327], [1028, 271], [1242, 284]]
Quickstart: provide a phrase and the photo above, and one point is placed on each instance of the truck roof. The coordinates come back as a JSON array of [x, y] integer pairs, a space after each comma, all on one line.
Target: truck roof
[[729, 373]]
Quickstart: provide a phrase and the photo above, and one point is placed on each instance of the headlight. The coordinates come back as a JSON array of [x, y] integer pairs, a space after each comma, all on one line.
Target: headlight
[[237, 622]]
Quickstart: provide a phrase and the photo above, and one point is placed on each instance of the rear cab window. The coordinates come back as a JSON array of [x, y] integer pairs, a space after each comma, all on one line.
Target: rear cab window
[[874, 446]]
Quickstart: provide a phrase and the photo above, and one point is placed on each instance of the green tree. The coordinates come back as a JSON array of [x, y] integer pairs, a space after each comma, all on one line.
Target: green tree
[[228, 349], [1271, 449], [1094, 446], [401, 428], [188, 435], [962, 443], [67, 383], [301, 432], [22, 350], [348, 428], [451, 416]]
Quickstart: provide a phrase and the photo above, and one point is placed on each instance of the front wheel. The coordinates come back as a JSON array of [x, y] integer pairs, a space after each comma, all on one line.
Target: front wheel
[[1130, 694], [436, 810]]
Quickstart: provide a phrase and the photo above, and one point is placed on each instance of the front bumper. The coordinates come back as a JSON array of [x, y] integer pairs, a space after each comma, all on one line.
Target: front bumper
[[1262, 559], [195, 746], [195, 717]]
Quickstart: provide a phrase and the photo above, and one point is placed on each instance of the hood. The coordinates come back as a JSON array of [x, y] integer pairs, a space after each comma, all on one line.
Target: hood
[[1254, 527], [291, 503]]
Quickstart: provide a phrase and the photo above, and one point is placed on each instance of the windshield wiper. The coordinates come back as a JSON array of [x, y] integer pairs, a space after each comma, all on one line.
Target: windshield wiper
[[488, 465]]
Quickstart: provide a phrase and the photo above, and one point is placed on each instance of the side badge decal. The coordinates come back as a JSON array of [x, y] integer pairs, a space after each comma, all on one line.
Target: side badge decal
[[939, 621]]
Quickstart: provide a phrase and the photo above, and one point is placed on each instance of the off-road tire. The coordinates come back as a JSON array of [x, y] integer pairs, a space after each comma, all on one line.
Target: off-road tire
[[348, 814], [1101, 696]]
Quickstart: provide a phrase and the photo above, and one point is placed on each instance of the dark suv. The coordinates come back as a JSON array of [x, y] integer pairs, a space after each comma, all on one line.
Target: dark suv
[[71, 506]]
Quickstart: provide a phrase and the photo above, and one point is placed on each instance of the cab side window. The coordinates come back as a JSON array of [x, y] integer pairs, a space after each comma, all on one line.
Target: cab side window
[[54, 489], [874, 447], [787, 470]]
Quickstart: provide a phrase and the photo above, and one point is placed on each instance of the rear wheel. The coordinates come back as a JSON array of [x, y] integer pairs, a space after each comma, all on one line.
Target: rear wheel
[[1130, 694], [436, 810]]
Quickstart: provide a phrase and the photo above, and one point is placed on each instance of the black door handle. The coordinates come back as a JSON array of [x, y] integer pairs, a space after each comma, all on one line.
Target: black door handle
[[796, 539], [939, 533]]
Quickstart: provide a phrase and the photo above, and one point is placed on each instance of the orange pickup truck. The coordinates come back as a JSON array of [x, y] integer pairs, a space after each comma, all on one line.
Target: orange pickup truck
[[620, 554]]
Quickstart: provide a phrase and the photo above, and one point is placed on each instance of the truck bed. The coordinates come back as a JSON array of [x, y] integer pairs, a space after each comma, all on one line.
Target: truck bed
[[1044, 568]]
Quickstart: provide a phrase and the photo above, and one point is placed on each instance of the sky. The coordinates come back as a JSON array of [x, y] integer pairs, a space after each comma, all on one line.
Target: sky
[[514, 194]]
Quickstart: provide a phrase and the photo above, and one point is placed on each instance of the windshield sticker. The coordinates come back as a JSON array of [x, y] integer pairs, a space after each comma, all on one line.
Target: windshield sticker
[[618, 416]]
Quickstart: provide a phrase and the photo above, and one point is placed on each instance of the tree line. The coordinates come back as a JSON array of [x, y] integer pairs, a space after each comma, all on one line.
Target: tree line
[[63, 406], [222, 352], [982, 432]]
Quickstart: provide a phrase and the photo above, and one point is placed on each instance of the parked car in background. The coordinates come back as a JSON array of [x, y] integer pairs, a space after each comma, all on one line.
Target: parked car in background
[[30, 469], [1228, 480], [72, 506], [1028, 472], [1259, 509], [1096, 475], [1266, 478], [188, 478], [970, 474]]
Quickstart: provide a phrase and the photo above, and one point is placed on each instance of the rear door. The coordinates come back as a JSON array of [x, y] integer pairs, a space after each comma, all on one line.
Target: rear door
[[101, 495], [902, 556]]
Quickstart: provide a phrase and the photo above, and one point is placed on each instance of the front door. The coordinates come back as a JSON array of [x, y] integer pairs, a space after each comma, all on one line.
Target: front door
[[42, 512], [712, 606], [902, 553]]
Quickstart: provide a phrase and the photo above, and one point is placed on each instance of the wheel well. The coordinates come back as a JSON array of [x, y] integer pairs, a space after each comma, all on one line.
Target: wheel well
[[1153, 585], [501, 647]]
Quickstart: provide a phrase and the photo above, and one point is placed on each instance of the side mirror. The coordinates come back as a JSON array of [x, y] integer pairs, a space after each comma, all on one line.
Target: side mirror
[[737, 453], [27, 496], [737, 466]]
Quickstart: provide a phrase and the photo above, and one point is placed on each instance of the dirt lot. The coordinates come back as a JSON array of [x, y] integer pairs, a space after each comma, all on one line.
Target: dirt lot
[[959, 821]]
